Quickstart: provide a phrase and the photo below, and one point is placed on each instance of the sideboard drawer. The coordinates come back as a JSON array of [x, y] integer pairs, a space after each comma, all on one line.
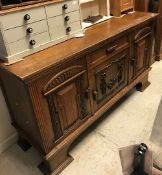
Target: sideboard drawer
[[117, 45], [108, 51], [27, 31], [21, 18], [24, 44], [58, 9]]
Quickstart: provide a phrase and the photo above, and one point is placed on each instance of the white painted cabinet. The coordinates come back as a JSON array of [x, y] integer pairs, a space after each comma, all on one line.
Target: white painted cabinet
[[30, 30]]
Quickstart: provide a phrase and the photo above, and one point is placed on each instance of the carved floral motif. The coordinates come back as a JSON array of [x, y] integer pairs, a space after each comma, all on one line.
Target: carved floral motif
[[106, 85], [55, 118]]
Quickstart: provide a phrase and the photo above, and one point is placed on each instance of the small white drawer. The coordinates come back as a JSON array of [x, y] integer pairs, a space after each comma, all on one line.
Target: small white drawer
[[27, 31], [25, 44], [58, 29], [64, 20], [23, 17], [61, 8], [75, 27], [71, 17]]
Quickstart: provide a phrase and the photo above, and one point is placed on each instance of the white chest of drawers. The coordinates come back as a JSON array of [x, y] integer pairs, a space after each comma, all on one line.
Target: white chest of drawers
[[27, 31]]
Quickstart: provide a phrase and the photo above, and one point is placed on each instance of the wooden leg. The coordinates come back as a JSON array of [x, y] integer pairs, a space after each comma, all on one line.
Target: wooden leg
[[143, 84], [55, 162], [24, 144], [158, 58]]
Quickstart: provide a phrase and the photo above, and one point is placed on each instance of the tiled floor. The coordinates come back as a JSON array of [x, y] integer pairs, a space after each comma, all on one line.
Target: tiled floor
[[130, 121]]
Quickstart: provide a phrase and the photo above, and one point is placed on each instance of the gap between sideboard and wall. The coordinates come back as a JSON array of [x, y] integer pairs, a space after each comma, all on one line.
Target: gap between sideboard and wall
[[8, 134]]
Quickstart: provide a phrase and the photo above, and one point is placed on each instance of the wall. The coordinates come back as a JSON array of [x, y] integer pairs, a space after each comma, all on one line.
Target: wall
[[8, 134], [94, 8]]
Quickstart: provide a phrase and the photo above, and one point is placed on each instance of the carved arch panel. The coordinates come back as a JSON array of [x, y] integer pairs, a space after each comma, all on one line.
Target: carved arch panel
[[142, 34], [140, 60], [66, 98]]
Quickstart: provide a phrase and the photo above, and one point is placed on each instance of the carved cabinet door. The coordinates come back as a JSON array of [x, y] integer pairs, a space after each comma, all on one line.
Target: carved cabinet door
[[67, 100], [108, 78], [141, 52]]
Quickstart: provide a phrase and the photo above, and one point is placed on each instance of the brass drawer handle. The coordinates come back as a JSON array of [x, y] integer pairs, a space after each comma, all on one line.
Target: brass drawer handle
[[111, 49], [88, 93], [133, 61], [95, 95]]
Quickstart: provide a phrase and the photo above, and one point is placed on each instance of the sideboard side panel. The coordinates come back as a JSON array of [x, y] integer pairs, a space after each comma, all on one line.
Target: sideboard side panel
[[18, 99]]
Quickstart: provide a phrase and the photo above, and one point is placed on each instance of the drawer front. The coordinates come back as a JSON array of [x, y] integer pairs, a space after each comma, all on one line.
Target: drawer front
[[58, 28], [58, 8], [75, 27], [19, 33], [19, 19], [126, 4], [107, 51], [24, 44], [64, 20], [71, 17]]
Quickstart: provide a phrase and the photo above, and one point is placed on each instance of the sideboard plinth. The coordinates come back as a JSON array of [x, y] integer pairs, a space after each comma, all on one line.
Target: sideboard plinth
[[55, 164], [143, 84], [23, 144]]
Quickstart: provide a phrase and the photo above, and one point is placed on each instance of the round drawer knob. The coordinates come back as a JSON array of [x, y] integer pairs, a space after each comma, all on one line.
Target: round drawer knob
[[27, 17], [29, 30], [65, 6], [68, 29], [32, 42], [67, 18]]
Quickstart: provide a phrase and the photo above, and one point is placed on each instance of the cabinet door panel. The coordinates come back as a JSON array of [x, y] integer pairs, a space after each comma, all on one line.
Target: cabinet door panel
[[141, 55], [141, 52], [68, 103], [109, 78], [68, 110]]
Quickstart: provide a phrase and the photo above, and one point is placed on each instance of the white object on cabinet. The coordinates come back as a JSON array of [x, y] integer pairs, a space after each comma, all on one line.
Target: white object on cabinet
[[91, 8], [27, 31]]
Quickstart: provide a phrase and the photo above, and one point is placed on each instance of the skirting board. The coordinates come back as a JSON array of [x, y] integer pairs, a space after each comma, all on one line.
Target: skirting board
[[8, 142]]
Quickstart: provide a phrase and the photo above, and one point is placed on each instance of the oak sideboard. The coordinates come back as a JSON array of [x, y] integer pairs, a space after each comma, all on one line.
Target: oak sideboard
[[55, 94]]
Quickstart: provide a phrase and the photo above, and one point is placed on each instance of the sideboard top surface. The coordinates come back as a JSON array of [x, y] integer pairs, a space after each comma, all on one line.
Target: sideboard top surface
[[41, 61]]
